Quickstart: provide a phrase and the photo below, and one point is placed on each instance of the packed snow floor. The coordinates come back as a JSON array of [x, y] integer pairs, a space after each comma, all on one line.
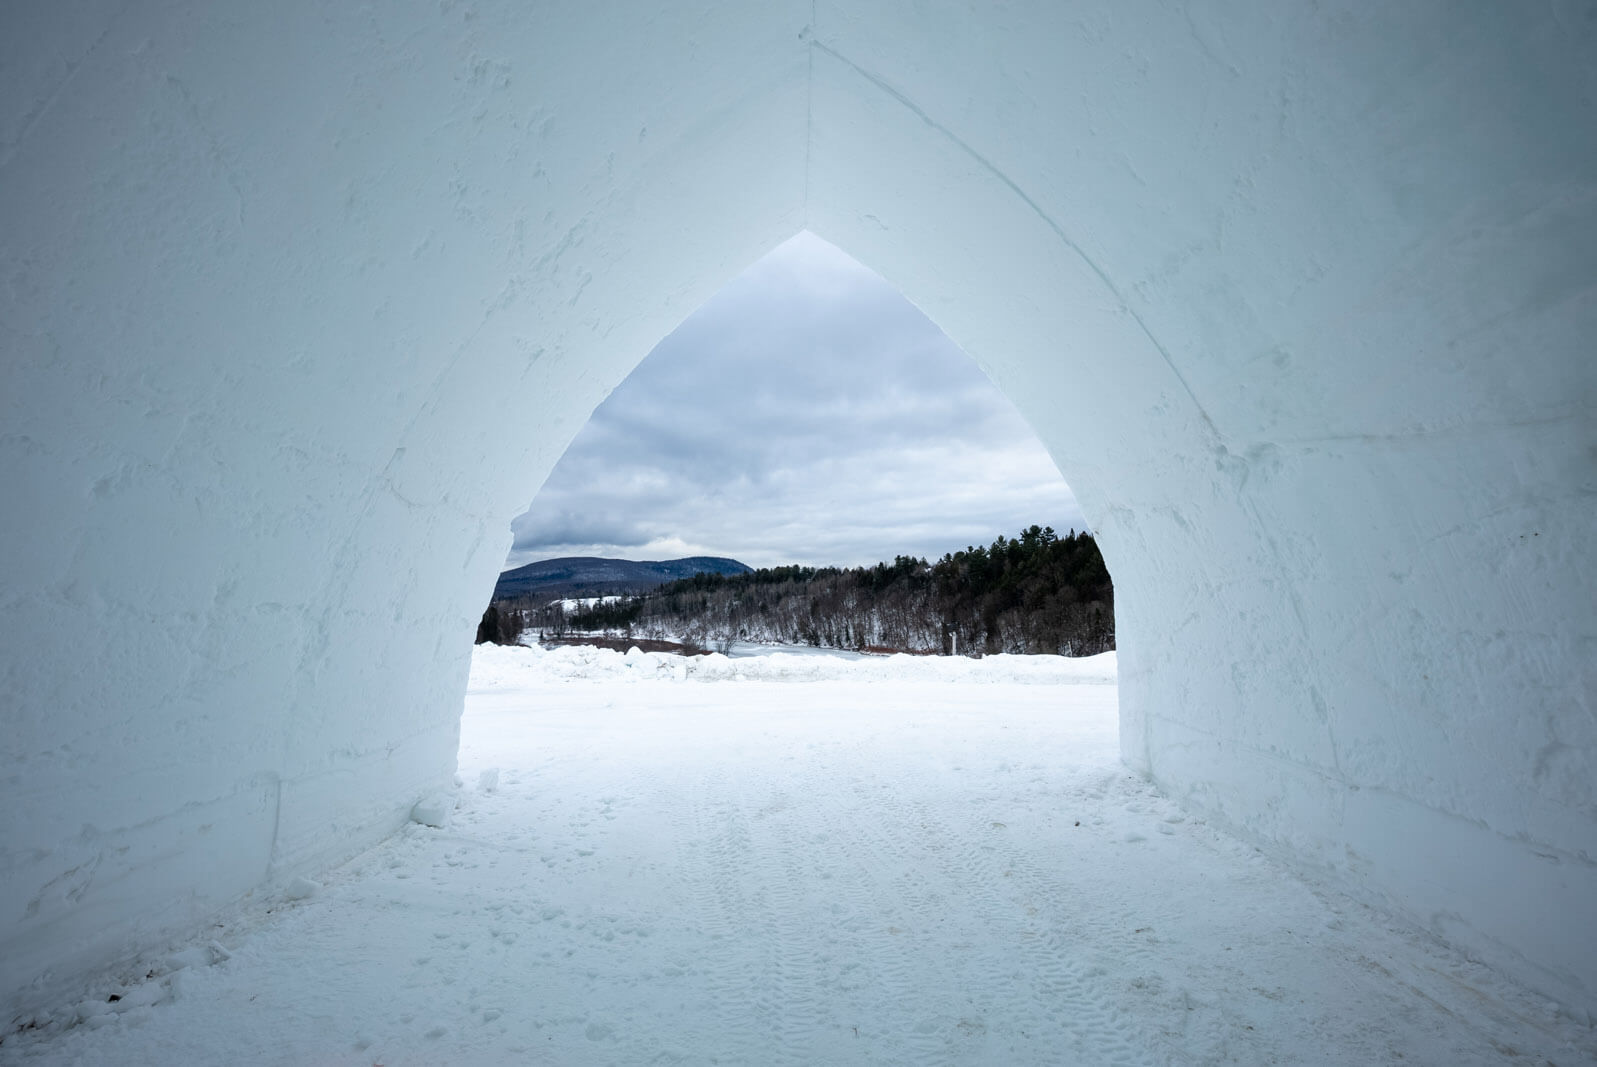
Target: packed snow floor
[[884, 862]]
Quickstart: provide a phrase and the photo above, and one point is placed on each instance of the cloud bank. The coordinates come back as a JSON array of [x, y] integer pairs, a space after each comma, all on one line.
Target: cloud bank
[[807, 413]]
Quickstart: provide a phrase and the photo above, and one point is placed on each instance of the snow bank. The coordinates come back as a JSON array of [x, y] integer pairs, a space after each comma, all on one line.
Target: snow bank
[[494, 665]]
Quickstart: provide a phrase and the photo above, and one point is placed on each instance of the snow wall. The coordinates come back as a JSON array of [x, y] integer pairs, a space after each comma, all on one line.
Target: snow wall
[[301, 303]]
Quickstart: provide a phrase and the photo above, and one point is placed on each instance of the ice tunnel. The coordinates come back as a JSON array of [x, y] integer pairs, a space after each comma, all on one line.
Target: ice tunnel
[[301, 302]]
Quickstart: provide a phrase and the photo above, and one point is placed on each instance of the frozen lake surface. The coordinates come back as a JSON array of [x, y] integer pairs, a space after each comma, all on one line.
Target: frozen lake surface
[[886, 861]]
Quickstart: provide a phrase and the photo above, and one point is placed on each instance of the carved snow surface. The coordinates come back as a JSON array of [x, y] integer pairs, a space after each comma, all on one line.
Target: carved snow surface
[[881, 865], [300, 303]]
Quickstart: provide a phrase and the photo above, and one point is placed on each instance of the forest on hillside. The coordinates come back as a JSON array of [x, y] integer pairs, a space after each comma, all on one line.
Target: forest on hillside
[[1035, 593]]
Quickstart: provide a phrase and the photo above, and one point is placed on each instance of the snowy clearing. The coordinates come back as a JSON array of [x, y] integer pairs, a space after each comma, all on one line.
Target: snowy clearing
[[893, 861], [578, 603]]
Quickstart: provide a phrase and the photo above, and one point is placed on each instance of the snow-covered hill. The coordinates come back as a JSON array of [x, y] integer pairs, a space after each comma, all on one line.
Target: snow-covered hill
[[589, 576]]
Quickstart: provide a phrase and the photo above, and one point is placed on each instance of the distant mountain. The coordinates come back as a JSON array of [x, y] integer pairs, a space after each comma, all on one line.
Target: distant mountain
[[584, 576]]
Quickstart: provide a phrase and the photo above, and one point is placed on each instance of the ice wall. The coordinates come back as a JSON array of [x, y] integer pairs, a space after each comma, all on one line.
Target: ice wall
[[299, 306]]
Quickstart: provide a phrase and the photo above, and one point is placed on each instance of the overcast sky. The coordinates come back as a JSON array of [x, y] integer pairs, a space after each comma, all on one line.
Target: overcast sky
[[807, 413]]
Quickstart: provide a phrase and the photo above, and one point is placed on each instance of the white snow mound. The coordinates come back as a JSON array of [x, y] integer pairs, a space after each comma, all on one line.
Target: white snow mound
[[432, 811]]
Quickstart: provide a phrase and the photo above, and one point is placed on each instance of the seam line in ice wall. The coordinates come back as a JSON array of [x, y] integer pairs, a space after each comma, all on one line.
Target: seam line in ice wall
[[809, 115], [985, 164]]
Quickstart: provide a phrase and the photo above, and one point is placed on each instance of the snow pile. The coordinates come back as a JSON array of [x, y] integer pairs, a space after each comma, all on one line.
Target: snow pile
[[495, 665]]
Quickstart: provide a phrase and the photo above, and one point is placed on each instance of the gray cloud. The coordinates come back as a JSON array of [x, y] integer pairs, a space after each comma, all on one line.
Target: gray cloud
[[807, 413]]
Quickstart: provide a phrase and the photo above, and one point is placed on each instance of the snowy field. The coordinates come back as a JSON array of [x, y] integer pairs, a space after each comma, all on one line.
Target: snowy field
[[803, 859]]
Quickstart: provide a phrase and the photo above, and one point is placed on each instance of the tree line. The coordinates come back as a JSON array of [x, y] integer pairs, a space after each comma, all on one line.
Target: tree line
[[1035, 593]]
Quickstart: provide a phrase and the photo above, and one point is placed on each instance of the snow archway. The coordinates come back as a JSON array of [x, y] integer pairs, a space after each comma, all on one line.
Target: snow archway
[[1301, 304]]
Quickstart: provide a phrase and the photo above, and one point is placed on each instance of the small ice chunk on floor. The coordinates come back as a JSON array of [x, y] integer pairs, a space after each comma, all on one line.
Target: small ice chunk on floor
[[143, 995], [488, 780], [431, 811], [91, 1008], [198, 956], [302, 889]]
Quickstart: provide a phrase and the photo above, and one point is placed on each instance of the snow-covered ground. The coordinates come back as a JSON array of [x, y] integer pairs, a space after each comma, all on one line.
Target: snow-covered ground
[[805, 860], [745, 649], [493, 666], [578, 603]]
